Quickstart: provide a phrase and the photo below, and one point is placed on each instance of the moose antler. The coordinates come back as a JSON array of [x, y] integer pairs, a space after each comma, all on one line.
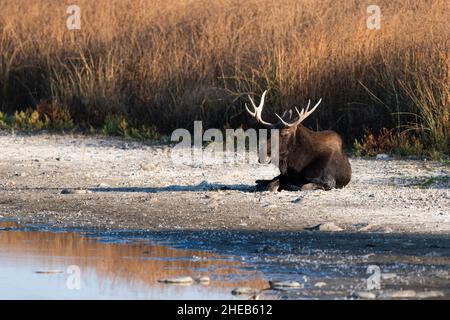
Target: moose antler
[[305, 113], [258, 110], [257, 114]]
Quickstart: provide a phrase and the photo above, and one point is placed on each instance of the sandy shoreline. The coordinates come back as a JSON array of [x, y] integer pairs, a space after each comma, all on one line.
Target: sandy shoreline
[[129, 185]]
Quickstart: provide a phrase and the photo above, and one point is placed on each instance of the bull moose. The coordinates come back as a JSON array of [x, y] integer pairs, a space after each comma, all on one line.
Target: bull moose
[[307, 159]]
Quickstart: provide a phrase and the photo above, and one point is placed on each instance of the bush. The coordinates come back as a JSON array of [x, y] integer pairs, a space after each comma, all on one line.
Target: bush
[[389, 141]]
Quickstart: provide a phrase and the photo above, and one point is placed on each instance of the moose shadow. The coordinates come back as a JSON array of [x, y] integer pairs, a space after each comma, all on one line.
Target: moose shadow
[[201, 187]]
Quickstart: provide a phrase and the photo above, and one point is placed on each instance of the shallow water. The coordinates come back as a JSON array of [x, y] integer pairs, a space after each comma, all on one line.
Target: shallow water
[[37, 265], [47, 263]]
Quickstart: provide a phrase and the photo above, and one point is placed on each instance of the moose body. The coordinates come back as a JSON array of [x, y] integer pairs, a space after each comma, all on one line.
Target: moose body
[[306, 158]]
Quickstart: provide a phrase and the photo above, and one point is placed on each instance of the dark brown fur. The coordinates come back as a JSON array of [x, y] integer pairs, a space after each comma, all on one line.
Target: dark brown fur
[[309, 157]]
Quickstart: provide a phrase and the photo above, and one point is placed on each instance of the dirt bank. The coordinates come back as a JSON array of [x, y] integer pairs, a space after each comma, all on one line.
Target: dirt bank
[[136, 186]]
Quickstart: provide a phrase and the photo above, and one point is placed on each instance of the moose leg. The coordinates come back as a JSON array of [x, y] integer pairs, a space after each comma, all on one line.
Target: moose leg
[[320, 176], [287, 182], [269, 185], [292, 181], [311, 186], [326, 181], [280, 183], [263, 183], [290, 187]]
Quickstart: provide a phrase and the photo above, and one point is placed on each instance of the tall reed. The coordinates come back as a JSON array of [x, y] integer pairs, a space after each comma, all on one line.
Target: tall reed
[[167, 63]]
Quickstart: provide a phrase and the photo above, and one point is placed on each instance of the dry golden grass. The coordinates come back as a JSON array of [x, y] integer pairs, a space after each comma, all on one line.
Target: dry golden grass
[[168, 62]]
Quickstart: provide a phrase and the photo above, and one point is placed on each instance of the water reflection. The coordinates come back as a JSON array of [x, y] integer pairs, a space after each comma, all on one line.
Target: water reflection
[[111, 269]]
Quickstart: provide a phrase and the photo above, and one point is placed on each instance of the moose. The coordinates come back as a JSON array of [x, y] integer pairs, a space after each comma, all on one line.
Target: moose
[[307, 159]]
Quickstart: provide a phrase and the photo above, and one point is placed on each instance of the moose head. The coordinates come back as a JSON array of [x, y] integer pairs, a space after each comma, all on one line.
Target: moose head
[[286, 126]]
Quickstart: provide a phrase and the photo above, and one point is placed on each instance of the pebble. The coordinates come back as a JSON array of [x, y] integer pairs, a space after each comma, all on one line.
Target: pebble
[[203, 280], [244, 291], [326, 227], [21, 174], [177, 280], [320, 284], [399, 294], [366, 295], [387, 276], [49, 271], [102, 185], [382, 156], [279, 285], [75, 191], [296, 200], [430, 294], [149, 166], [367, 227]]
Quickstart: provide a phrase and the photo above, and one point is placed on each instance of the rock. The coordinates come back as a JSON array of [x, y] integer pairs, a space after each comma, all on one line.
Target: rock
[[365, 295], [203, 280], [320, 284], [21, 174], [177, 280], [386, 230], [296, 200], [330, 227], [149, 166], [280, 285], [244, 291], [429, 294], [388, 276], [75, 191], [204, 186], [367, 227], [49, 272], [326, 227], [102, 185], [382, 156], [399, 294]]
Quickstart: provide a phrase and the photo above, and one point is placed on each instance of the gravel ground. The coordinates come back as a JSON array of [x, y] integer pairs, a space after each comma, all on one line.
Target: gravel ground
[[77, 181]]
